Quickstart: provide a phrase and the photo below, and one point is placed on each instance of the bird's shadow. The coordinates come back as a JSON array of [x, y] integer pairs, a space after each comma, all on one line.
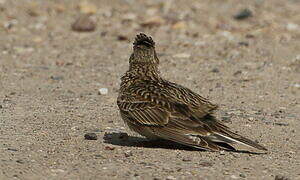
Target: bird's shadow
[[123, 139]]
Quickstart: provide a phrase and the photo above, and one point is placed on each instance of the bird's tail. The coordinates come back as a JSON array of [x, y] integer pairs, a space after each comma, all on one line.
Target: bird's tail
[[233, 138], [221, 139]]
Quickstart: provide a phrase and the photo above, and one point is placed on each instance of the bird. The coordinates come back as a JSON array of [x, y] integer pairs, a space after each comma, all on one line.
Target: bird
[[162, 110]]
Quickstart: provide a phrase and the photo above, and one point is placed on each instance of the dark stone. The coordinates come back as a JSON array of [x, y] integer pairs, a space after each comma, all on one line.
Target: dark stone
[[186, 159], [238, 72], [90, 136], [281, 124], [20, 161], [215, 70], [243, 43], [12, 149], [243, 14], [280, 177], [122, 38], [57, 78]]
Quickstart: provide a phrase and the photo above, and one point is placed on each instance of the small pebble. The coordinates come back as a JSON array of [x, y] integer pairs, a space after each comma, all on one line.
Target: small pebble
[[296, 85], [103, 91], [206, 164], [20, 161], [292, 27], [129, 16], [59, 8], [33, 12], [109, 148], [243, 14], [250, 36], [281, 177], [215, 70], [227, 35], [90, 136], [99, 156], [243, 175], [281, 124], [57, 170], [57, 78], [84, 24], [122, 38], [186, 159], [179, 25], [182, 55], [128, 154], [170, 178], [234, 177], [97, 130], [11, 149], [222, 152], [238, 72], [21, 50], [243, 43]]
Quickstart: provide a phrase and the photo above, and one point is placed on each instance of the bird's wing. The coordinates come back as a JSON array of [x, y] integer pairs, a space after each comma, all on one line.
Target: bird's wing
[[144, 113], [187, 100], [153, 103]]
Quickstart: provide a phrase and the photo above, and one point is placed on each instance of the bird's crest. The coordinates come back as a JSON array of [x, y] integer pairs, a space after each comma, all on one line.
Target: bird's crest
[[143, 39]]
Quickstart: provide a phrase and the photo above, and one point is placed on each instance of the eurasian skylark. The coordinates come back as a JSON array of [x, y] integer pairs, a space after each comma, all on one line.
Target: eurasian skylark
[[159, 109]]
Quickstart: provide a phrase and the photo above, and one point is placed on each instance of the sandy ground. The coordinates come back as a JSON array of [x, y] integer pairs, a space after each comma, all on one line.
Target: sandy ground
[[50, 78]]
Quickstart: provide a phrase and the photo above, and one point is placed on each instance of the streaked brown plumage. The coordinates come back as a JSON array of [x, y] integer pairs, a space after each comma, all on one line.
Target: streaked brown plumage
[[159, 109]]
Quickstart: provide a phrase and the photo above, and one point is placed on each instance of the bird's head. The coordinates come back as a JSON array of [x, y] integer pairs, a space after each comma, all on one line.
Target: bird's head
[[143, 51]]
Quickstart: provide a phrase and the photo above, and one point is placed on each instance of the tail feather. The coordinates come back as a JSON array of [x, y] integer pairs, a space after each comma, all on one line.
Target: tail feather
[[200, 142], [213, 142], [223, 134], [234, 138]]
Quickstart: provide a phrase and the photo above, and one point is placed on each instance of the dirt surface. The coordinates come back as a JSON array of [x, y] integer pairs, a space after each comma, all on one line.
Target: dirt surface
[[50, 76]]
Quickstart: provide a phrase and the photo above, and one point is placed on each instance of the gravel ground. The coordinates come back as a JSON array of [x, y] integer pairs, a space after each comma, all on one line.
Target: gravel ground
[[59, 79]]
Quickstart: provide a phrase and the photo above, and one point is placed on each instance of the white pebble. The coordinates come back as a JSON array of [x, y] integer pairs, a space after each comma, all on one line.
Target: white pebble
[[103, 91], [227, 35], [170, 178], [222, 152], [297, 58], [296, 85], [57, 170], [182, 55], [292, 27], [234, 177]]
